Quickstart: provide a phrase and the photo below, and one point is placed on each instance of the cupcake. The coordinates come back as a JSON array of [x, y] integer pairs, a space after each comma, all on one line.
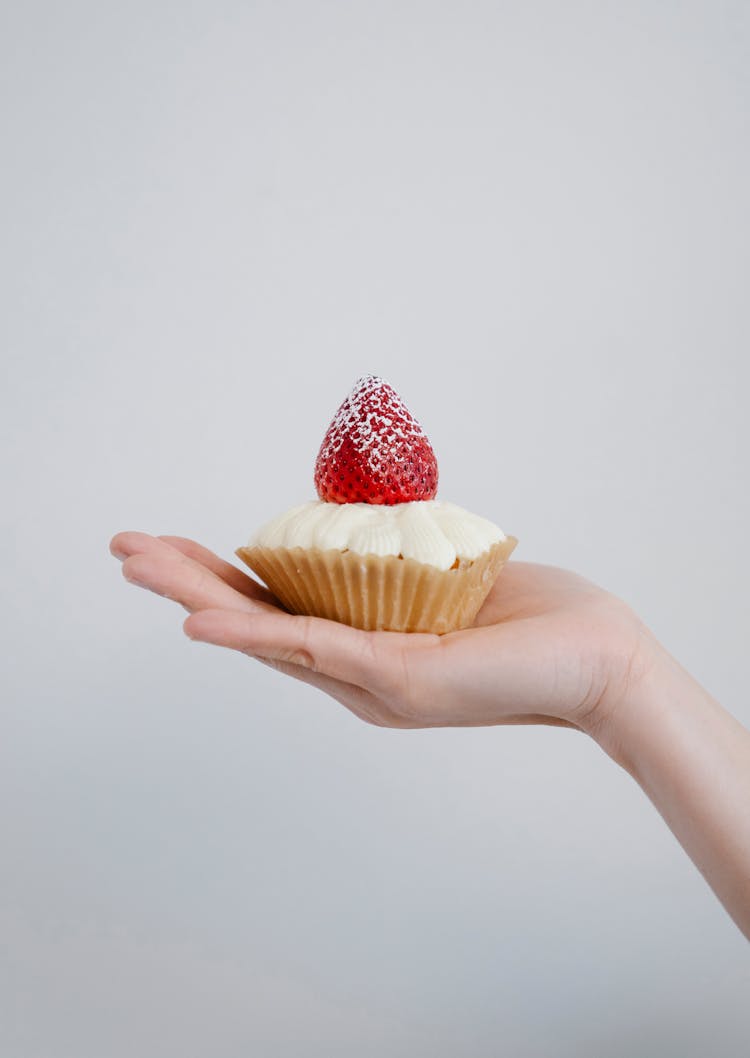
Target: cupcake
[[377, 550]]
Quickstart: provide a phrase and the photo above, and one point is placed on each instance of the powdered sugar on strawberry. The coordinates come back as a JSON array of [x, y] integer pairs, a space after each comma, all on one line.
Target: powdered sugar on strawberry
[[375, 451]]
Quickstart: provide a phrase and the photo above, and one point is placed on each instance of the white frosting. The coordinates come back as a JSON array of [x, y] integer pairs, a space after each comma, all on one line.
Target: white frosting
[[427, 530]]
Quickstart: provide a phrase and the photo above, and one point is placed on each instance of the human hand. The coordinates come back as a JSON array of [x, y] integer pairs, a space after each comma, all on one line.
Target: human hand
[[547, 646]]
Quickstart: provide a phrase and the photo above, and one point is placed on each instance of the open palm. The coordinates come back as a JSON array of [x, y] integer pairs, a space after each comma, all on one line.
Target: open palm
[[547, 646]]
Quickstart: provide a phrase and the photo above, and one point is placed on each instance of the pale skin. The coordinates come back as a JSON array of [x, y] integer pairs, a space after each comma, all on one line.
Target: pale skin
[[548, 647]]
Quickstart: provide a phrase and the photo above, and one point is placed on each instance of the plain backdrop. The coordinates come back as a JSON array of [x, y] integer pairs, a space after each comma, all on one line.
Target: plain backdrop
[[532, 219]]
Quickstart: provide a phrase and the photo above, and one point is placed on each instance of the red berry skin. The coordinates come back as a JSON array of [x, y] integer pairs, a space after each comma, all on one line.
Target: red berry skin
[[375, 451]]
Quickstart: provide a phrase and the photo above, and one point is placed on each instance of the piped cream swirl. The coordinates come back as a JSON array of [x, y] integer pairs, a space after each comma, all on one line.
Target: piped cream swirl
[[429, 531]]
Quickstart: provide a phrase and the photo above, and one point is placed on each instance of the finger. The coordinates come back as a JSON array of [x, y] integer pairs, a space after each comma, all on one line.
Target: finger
[[171, 574], [321, 646], [123, 545], [357, 700], [232, 576]]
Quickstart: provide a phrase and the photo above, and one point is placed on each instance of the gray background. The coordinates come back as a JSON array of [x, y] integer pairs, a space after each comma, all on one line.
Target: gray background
[[533, 220]]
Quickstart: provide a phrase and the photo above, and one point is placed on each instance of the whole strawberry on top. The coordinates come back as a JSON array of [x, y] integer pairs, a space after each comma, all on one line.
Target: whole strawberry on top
[[376, 550], [375, 451]]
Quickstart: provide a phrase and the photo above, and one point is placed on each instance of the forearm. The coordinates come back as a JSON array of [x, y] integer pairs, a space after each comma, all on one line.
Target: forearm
[[692, 759]]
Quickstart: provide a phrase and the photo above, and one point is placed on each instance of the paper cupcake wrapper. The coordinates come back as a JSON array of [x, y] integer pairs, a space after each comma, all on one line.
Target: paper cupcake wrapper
[[378, 592]]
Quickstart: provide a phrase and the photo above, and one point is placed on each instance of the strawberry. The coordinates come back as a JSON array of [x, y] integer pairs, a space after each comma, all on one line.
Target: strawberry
[[375, 451]]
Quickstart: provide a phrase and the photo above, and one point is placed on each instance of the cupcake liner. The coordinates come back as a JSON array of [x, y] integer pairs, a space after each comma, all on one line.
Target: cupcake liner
[[377, 592]]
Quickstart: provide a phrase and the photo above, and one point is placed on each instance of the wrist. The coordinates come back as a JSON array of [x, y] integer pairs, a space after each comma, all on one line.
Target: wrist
[[659, 707], [637, 669]]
